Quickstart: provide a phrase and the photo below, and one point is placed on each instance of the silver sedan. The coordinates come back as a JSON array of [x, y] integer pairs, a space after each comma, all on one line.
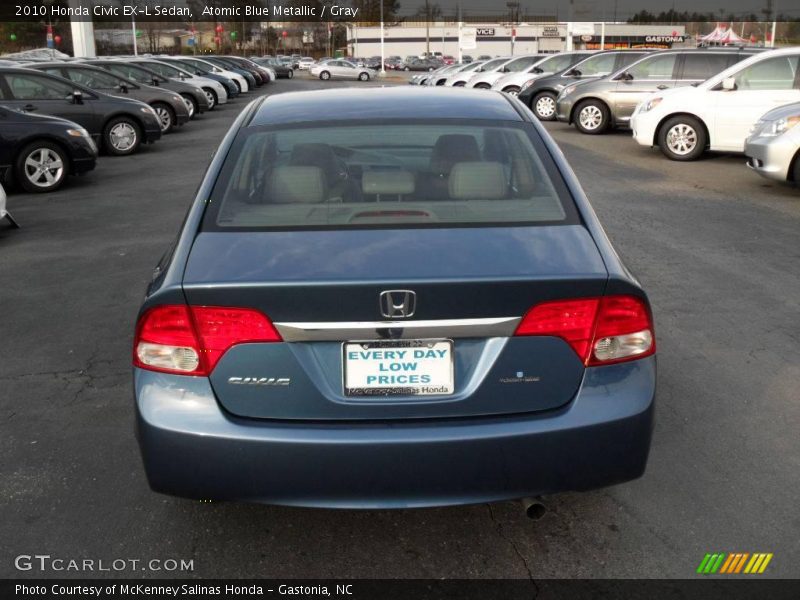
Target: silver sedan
[[4, 214], [339, 69], [773, 148]]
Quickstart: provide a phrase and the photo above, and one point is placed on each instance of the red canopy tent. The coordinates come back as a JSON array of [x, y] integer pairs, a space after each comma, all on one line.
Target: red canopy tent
[[721, 36]]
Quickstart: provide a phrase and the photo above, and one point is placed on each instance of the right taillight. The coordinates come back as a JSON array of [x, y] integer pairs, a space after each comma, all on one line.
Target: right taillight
[[601, 331]]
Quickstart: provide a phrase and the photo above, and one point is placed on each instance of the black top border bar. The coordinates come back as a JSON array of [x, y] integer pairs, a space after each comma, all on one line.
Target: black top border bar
[[394, 11]]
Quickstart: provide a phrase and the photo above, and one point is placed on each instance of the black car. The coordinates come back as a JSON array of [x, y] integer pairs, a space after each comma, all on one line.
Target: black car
[[252, 82], [40, 150], [540, 94], [169, 106], [249, 65], [193, 96], [121, 124], [193, 67], [281, 69], [422, 64]]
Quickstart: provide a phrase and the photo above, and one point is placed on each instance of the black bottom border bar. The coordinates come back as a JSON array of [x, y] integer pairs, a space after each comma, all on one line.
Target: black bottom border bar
[[415, 589]]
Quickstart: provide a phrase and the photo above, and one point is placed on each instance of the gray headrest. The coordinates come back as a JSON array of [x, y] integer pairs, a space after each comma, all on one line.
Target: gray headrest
[[387, 182], [452, 148], [296, 185], [477, 181]]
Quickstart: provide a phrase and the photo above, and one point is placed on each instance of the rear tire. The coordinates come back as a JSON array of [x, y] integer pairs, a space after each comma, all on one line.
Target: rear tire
[[289, 74], [325, 76], [544, 106], [592, 117], [682, 138], [166, 116], [122, 136], [363, 77], [42, 167]]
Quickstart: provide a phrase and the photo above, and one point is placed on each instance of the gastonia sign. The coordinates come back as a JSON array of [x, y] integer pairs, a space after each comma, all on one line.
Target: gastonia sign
[[665, 39]]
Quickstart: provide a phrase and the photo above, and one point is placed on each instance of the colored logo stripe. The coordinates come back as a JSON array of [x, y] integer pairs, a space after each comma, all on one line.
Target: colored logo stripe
[[736, 562]]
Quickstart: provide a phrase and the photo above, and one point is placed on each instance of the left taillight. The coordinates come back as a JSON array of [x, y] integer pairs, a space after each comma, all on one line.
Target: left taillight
[[601, 331], [190, 340]]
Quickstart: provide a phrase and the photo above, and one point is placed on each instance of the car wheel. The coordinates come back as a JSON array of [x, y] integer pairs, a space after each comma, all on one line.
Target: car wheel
[[211, 96], [122, 136], [363, 76], [42, 167], [166, 116], [682, 138], [591, 117], [289, 74], [512, 90], [191, 104], [544, 106], [795, 172], [325, 76], [459, 84]]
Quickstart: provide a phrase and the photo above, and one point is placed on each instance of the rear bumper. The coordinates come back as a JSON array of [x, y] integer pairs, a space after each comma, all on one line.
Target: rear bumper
[[192, 448]]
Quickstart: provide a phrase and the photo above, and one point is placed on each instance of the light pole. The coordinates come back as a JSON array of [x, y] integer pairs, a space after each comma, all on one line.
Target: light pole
[[513, 8], [383, 57]]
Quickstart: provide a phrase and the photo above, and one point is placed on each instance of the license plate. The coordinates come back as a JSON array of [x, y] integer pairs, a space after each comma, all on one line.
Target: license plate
[[398, 368]]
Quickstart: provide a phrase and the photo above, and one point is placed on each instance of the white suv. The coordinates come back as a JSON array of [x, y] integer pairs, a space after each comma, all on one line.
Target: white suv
[[718, 114]]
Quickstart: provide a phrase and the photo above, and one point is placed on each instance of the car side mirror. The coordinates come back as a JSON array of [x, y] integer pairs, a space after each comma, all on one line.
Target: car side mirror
[[625, 76], [123, 87], [571, 73], [77, 97], [729, 84], [155, 81]]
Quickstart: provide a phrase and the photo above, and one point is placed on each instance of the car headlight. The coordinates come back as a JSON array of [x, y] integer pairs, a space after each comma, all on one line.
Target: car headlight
[[80, 132], [199, 91], [148, 110], [777, 127], [650, 104], [177, 99], [527, 84], [568, 90]]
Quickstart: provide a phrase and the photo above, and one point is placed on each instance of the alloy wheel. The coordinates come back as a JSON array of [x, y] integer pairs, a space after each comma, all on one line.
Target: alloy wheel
[[212, 101], [44, 168], [591, 117], [546, 107], [681, 139], [164, 118], [190, 106], [122, 137]]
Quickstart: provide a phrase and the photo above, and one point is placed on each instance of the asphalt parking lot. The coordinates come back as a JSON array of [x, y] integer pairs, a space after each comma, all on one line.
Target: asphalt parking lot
[[717, 248]]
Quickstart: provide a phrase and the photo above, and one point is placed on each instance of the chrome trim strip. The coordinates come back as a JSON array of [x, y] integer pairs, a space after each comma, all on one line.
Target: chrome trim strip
[[398, 330]]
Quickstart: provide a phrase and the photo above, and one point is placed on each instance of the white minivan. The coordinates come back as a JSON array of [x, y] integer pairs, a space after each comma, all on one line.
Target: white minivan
[[718, 114]]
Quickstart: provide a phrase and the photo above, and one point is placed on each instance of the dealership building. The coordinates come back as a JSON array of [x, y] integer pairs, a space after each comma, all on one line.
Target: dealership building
[[407, 39]]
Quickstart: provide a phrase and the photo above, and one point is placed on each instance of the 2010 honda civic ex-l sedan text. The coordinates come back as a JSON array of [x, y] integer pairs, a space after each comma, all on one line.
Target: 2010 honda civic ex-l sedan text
[[391, 298]]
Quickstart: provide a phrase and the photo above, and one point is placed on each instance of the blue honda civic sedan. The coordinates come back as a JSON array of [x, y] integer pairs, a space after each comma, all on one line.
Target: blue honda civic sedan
[[391, 298]]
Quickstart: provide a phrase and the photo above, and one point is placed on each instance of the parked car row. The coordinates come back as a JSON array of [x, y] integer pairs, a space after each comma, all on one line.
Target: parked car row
[[683, 101], [56, 116]]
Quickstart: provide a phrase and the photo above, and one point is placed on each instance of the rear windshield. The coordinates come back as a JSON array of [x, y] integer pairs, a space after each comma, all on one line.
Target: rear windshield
[[394, 174]]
